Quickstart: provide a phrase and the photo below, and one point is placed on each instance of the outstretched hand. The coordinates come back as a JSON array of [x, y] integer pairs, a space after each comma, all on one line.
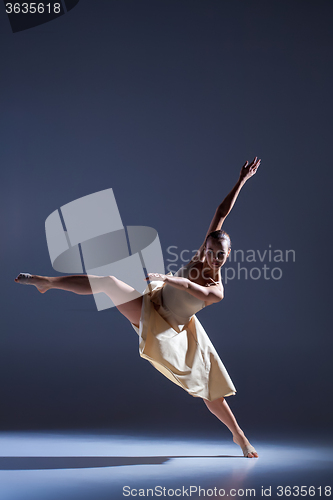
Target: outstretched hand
[[248, 170]]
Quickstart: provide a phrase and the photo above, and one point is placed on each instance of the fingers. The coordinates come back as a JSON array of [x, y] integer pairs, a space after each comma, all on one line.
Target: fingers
[[155, 276], [250, 169], [255, 162], [149, 277], [254, 165]]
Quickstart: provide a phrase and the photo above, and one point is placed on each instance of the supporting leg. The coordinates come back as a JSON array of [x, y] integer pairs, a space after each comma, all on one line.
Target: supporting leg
[[221, 410]]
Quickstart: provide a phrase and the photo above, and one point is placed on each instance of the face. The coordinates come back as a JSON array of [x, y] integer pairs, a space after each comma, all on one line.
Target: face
[[216, 253]]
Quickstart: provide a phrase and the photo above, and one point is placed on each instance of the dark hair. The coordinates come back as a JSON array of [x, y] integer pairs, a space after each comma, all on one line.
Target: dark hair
[[219, 235]]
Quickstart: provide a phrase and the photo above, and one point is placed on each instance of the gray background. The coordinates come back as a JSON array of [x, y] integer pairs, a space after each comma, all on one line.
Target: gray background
[[164, 102]]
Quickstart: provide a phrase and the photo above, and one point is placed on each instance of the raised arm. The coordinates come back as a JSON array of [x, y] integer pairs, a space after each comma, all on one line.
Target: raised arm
[[247, 171]]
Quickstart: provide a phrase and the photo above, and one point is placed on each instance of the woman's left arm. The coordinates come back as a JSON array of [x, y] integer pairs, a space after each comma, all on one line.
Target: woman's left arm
[[247, 171], [224, 208], [210, 294]]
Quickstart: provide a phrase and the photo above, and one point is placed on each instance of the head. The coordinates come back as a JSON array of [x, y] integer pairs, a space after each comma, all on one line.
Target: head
[[217, 249]]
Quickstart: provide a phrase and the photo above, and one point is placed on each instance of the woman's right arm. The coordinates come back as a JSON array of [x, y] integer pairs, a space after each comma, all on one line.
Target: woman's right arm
[[208, 294]]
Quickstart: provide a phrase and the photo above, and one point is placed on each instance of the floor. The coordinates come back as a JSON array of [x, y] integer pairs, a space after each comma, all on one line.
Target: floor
[[105, 466]]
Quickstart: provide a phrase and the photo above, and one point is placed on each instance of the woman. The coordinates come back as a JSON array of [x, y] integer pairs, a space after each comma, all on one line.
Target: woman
[[171, 337]]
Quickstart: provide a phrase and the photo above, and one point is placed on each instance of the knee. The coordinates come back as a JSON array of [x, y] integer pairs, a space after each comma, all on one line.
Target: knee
[[208, 404], [112, 279], [212, 405], [106, 283]]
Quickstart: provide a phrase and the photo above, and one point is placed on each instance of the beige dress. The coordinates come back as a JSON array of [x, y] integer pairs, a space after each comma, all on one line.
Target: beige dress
[[174, 341]]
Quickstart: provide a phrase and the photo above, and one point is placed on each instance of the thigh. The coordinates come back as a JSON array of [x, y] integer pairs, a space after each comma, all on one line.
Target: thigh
[[127, 300], [132, 310]]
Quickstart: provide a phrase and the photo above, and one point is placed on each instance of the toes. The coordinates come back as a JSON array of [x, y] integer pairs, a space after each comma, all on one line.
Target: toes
[[23, 276], [251, 454]]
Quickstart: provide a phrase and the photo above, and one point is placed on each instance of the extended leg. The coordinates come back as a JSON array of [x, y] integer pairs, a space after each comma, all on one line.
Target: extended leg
[[221, 410], [127, 300]]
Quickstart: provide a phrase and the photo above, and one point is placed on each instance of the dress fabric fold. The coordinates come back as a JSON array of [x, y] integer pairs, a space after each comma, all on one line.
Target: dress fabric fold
[[172, 338]]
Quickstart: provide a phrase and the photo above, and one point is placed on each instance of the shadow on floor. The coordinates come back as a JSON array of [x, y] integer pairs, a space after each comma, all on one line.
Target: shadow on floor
[[37, 463]]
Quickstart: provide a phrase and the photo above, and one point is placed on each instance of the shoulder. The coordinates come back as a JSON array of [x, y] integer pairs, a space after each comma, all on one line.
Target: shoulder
[[186, 268], [199, 255]]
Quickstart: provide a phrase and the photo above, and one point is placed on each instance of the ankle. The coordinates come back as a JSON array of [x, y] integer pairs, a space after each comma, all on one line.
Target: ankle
[[238, 433], [44, 283], [48, 282], [240, 439]]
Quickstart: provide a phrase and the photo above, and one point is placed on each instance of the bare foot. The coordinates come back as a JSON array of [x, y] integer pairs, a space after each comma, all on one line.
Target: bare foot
[[40, 282], [247, 448]]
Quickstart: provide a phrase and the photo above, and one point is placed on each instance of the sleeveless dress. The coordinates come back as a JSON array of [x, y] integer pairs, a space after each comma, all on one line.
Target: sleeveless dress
[[176, 344]]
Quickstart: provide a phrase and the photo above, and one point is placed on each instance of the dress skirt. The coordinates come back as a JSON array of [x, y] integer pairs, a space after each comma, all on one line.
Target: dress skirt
[[181, 352]]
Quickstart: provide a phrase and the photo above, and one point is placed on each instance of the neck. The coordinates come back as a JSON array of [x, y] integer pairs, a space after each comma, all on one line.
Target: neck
[[208, 272]]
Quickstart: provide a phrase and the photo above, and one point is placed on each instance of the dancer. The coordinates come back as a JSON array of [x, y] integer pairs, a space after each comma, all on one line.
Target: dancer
[[164, 316]]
